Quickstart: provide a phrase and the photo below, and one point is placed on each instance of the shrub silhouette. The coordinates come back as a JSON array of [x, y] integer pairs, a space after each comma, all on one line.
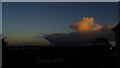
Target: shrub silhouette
[[102, 46], [101, 41]]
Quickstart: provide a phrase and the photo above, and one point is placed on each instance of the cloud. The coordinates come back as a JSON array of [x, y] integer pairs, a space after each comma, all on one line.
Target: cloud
[[86, 31], [107, 28], [86, 25], [78, 38]]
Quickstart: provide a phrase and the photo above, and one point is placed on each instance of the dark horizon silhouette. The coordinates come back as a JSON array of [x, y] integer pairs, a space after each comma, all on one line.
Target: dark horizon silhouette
[[98, 55]]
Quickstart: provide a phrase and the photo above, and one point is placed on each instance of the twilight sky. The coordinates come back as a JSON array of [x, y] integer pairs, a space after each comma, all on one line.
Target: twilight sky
[[0, 17], [22, 21]]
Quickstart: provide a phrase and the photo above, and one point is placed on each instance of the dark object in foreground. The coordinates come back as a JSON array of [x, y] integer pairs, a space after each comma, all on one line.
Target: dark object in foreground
[[116, 29], [58, 57]]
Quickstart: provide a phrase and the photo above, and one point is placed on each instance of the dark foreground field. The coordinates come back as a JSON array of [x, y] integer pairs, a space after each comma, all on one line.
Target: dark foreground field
[[58, 57]]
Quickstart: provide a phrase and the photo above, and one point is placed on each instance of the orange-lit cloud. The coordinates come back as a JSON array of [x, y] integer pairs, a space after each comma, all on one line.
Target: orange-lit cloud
[[86, 25]]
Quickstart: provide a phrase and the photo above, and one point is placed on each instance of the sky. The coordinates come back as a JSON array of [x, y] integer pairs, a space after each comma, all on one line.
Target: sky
[[0, 17], [22, 21], [119, 12], [60, 0], [0, 33]]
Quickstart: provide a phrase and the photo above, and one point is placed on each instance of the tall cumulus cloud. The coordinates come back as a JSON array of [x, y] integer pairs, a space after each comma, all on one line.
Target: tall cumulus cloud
[[85, 31], [88, 25]]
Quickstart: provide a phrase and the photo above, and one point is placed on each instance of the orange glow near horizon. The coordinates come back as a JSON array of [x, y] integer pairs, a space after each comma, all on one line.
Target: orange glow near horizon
[[27, 42]]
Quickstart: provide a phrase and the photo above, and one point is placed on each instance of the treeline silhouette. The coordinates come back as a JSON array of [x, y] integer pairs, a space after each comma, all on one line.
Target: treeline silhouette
[[99, 55]]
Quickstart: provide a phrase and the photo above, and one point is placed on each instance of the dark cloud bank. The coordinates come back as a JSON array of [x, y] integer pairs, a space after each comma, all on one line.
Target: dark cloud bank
[[86, 31]]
